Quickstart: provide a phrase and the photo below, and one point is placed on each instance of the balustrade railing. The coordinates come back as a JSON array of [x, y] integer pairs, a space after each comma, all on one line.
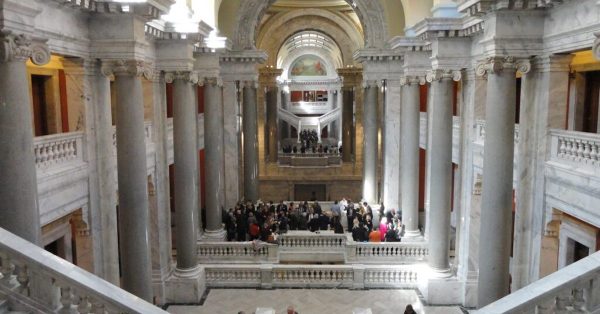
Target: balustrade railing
[[33, 279], [572, 289], [312, 241], [386, 252], [311, 276], [58, 149], [579, 148], [237, 252]]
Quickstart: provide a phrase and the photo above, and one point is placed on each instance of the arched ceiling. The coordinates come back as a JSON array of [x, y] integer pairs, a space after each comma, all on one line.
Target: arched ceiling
[[238, 20]]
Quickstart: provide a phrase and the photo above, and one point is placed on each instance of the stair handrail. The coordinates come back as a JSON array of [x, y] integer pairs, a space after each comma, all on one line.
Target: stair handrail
[[20, 258], [575, 286]]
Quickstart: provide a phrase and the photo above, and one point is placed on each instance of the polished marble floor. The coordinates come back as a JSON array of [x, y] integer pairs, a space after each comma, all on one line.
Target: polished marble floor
[[310, 301]]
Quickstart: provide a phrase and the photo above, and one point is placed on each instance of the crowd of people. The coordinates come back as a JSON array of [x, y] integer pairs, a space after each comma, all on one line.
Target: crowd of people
[[264, 221]]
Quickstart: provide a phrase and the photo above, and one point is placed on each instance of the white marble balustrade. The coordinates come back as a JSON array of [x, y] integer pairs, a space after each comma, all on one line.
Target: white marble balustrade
[[579, 148], [572, 289], [58, 149], [237, 252], [386, 252], [312, 276], [305, 239], [36, 281]]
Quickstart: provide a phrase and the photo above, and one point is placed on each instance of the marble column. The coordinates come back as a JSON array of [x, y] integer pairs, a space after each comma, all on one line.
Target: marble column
[[213, 148], [409, 156], [391, 144], [370, 142], [186, 166], [543, 91], [440, 183], [132, 176], [231, 137], [497, 189], [19, 211], [271, 98], [250, 141], [89, 90], [347, 121]]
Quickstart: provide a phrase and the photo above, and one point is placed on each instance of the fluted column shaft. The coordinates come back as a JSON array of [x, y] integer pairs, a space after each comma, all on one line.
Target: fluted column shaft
[[497, 196], [250, 142], [186, 166], [19, 212], [132, 178], [440, 185], [271, 98], [347, 120], [370, 143], [213, 148], [409, 156]]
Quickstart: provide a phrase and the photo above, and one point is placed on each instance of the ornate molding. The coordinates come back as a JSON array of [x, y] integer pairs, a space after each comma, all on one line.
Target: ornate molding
[[250, 83], [212, 81], [186, 76], [596, 46], [127, 68], [412, 80], [498, 64], [21, 47], [439, 74], [371, 83]]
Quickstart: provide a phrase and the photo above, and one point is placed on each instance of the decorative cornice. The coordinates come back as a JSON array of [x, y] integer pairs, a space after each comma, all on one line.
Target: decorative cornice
[[22, 47], [439, 74], [498, 64], [186, 76], [377, 55], [245, 56], [127, 68]]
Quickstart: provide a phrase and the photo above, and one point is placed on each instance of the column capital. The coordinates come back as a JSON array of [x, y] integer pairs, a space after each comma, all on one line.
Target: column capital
[[412, 80], [127, 68], [21, 47], [250, 83], [439, 74], [371, 83], [215, 81], [498, 64], [596, 46], [186, 76]]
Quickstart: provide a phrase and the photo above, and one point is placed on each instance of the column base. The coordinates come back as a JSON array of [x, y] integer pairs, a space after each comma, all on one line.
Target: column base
[[214, 235], [412, 236], [185, 285]]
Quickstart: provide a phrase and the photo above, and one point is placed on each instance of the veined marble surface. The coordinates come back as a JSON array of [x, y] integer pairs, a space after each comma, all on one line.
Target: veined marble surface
[[310, 301]]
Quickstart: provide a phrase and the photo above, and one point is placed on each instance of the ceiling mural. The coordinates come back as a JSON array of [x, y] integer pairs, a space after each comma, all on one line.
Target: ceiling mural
[[308, 65]]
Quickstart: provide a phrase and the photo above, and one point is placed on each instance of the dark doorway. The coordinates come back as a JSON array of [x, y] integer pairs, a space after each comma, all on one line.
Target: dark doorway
[[592, 95], [40, 106], [310, 192]]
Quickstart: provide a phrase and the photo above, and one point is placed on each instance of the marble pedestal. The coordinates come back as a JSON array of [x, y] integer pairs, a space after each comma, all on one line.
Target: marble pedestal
[[214, 235], [185, 286]]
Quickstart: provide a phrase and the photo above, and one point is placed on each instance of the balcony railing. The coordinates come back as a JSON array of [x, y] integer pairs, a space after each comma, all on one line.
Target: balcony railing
[[58, 150], [237, 252], [386, 252], [312, 276], [572, 289], [576, 148], [29, 276]]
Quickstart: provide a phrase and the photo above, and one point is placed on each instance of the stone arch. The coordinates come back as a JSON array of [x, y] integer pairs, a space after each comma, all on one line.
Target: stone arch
[[278, 38], [369, 12]]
